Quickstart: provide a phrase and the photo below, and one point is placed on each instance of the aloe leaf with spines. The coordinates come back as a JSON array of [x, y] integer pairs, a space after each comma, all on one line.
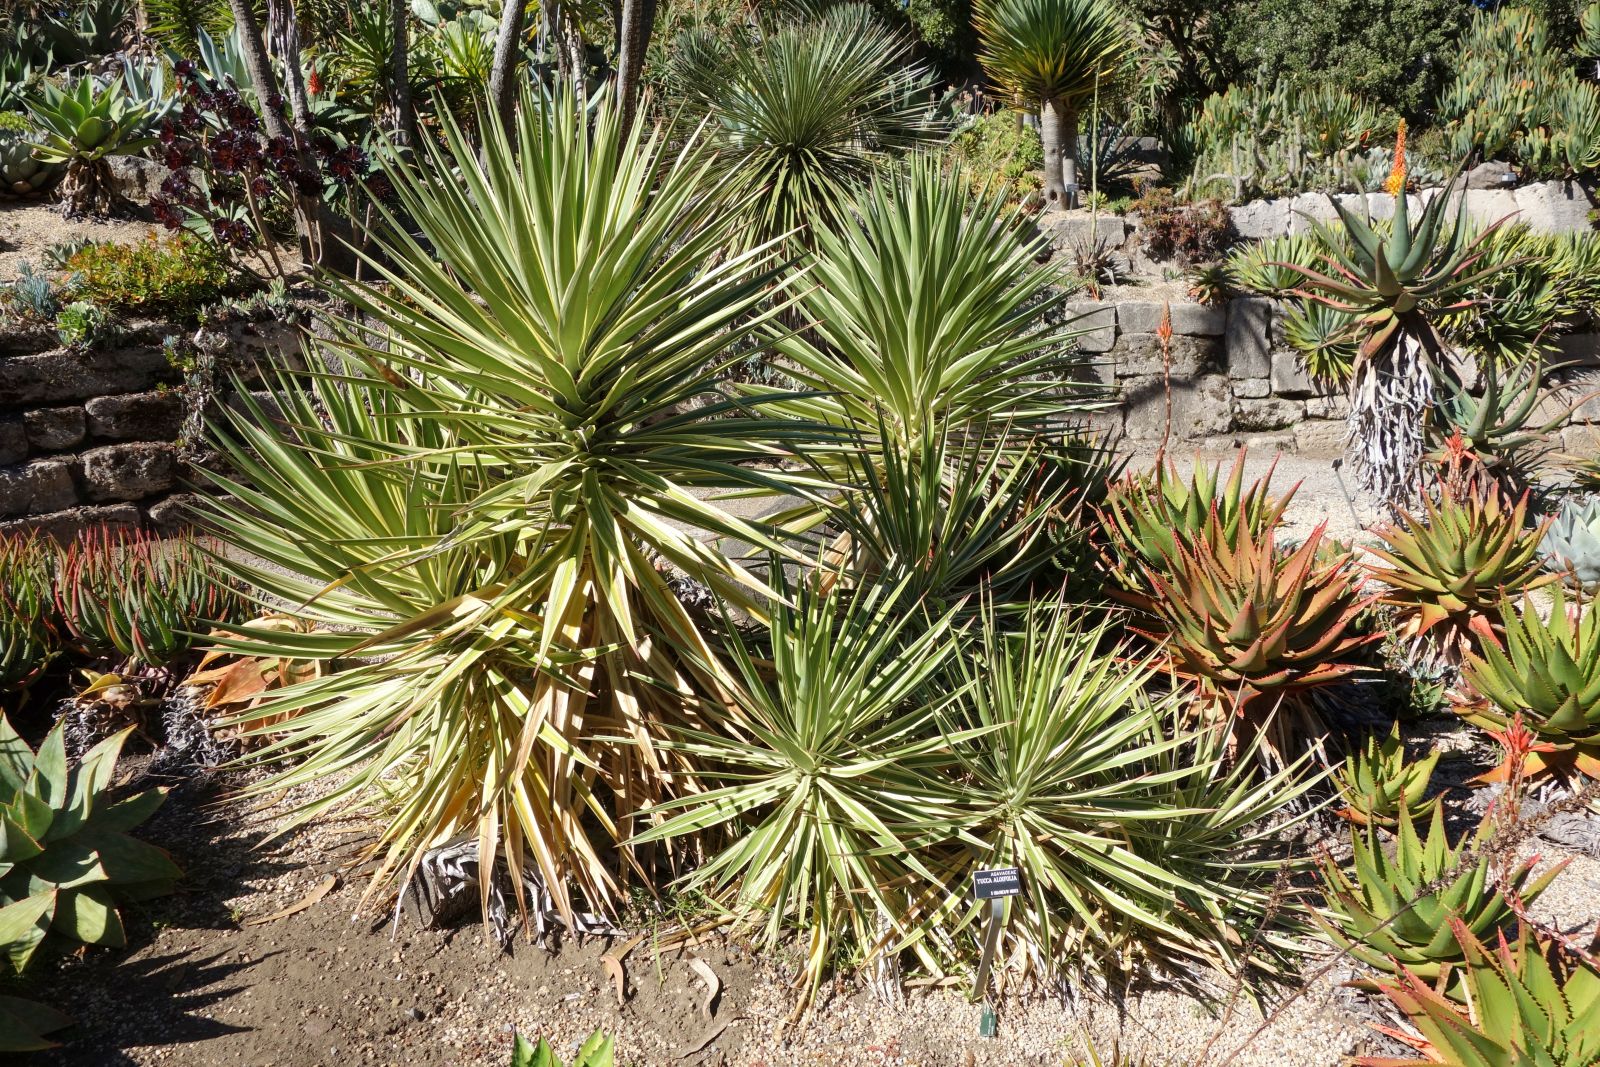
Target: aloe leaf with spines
[[520, 454], [1448, 569], [1394, 907], [1528, 1003], [1499, 425], [66, 859], [24, 1024], [1376, 783], [1544, 669], [29, 637], [1139, 843], [817, 769]]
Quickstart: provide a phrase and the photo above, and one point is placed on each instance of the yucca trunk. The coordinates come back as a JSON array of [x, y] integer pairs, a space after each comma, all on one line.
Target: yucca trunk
[[1058, 131]]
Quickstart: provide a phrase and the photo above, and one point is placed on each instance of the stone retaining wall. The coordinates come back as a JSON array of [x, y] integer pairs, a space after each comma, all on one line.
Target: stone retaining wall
[[91, 437]]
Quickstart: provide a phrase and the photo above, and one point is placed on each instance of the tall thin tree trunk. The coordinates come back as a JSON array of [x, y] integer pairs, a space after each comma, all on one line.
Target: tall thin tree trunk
[[507, 50], [1069, 154], [399, 75], [284, 31], [1050, 123], [633, 39]]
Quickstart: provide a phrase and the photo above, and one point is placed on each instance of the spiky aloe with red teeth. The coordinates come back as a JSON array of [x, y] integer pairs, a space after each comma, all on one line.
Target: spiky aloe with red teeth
[[1255, 629]]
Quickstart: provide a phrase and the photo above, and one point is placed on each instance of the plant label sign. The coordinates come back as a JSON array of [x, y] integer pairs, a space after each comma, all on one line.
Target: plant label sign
[[1000, 882]]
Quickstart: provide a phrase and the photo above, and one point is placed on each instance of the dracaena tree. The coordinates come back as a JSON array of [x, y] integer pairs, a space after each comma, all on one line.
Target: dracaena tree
[[1053, 54]]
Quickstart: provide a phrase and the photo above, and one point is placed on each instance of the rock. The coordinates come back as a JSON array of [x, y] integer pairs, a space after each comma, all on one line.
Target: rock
[[1491, 175], [1073, 230], [1320, 437], [137, 178], [1251, 388], [1308, 209], [1188, 319], [1271, 414], [1201, 407], [1485, 206], [1139, 354], [1098, 321], [1328, 407], [152, 416], [1381, 206], [1289, 376], [66, 525], [129, 472], [54, 377], [1249, 336], [1260, 219], [1554, 207], [55, 429], [13, 441], [34, 488], [176, 513], [1579, 349]]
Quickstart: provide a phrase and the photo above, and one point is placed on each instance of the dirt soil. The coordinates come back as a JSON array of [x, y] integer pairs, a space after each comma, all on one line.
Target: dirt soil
[[28, 227]]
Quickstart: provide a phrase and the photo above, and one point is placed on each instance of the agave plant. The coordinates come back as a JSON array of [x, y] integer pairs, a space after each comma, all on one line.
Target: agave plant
[[83, 127], [818, 773], [1149, 518], [1448, 571], [1545, 669], [1054, 53], [1571, 545], [1395, 910], [24, 1023], [138, 599], [21, 173], [66, 859], [495, 499], [804, 112], [926, 315], [1527, 1004], [28, 637], [1493, 430], [1377, 783], [1140, 848], [1255, 629], [1393, 279]]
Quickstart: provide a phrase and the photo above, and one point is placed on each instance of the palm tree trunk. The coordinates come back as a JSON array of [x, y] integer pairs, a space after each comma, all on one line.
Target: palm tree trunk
[[1050, 121], [284, 29], [400, 84], [502, 75], [638, 19], [1069, 154]]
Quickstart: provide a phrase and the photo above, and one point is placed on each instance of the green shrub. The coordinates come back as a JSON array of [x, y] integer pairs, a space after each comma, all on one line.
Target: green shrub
[[172, 274], [997, 152], [81, 323]]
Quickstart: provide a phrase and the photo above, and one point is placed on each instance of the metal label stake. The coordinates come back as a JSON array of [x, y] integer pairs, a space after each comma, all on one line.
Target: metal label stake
[[994, 886]]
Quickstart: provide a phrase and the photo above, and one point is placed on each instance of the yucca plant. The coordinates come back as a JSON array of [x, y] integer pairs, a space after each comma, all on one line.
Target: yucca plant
[[803, 112], [1255, 629], [1571, 545], [493, 500], [1527, 1004], [1395, 908], [1053, 54], [1377, 783], [1545, 668], [1139, 847], [139, 600], [66, 859], [1393, 280], [816, 769], [1449, 569], [28, 630], [1149, 517], [82, 127], [925, 314]]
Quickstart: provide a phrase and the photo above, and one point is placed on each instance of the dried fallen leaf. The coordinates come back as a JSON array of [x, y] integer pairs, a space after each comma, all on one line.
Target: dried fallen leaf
[[323, 889], [711, 1035], [612, 962], [713, 983]]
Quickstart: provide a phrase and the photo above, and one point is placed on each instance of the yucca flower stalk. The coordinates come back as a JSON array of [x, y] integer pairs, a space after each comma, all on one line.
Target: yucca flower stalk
[[487, 510]]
